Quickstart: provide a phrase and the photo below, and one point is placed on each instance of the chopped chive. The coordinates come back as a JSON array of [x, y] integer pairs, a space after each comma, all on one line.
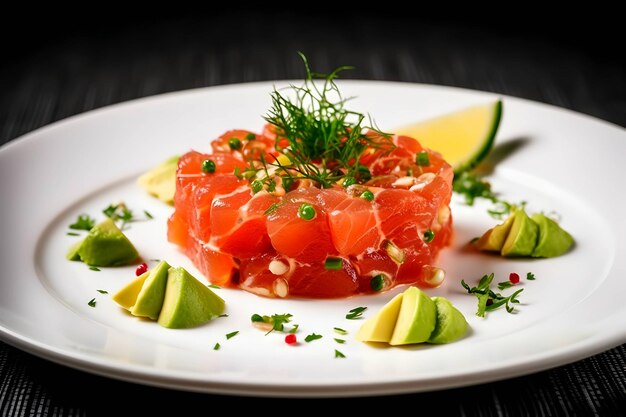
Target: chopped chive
[[232, 334], [355, 313], [429, 235], [102, 291], [208, 166], [223, 315], [214, 286], [256, 186], [377, 283], [234, 143], [92, 302], [340, 341], [333, 264], [306, 211], [250, 136], [148, 215], [73, 234], [217, 346], [421, 159], [94, 268], [339, 354], [367, 195], [340, 330], [348, 181]]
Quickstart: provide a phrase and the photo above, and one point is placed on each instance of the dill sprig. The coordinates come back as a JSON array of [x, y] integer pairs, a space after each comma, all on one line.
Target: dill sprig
[[325, 141]]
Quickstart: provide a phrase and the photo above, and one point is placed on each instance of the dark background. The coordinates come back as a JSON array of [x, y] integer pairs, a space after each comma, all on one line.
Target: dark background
[[57, 65]]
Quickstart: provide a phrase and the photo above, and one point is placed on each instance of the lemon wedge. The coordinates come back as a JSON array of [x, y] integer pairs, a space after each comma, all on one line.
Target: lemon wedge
[[464, 138]]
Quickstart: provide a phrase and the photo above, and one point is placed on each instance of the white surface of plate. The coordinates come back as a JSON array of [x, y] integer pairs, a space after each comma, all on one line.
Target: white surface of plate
[[563, 162]]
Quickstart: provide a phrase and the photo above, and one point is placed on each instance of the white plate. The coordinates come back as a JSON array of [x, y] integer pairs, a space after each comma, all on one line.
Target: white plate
[[564, 162]]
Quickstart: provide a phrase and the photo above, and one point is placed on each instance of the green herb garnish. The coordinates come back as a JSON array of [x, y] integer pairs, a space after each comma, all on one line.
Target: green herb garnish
[[377, 283], [92, 302], [472, 187], [306, 211], [340, 341], [324, 139], [429, 235], [217, 287], [421, 159], [356, 313], [217, 346], [232, 334], [340, 330], [148, 214], [339, 354], [530, 276], [103, 291], [367, 195], [256, 318], [333, 264], [489, 300], [119, 212], [312, 337], [504, 285], [73, 234], [83, 222], [223, 315], [208, 166], [94, 268], [294, 329]]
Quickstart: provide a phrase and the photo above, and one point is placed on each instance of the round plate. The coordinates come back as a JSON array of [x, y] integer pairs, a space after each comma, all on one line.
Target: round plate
[[556, 160]]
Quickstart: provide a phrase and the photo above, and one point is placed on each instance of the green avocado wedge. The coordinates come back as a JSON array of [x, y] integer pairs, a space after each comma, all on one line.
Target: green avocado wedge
[[522, 237], [380, 327], [553, 239], [416, 320], [106, 245], [150, 297], [451, 324], [494, 238], [160, 181], [188, 302]]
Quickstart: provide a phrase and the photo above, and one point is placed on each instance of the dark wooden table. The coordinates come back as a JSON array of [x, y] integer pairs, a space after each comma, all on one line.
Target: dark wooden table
[[71, 66]]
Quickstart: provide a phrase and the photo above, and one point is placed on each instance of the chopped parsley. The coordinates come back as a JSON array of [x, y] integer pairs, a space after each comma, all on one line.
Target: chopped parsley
[[489, 300], [92, 303], [530, 276], [294, 329], [472, 187], [83, 222], [119, 212], [232, 334], [339, 354], [277, 321], [312, 337], [356, 313]]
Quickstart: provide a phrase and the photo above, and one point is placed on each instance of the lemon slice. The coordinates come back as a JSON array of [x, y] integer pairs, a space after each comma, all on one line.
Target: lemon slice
[[464, 138]]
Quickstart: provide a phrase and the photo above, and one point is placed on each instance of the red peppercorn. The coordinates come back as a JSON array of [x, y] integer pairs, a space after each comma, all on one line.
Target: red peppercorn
[[291, 339], [141, 269], [514, 278]]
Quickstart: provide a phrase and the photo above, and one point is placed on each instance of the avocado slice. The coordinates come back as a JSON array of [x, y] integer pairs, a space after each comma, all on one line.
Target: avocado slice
[[416, 320], [380, 327], [150, 298], [72, 253], [522, 237], [107, 245], [553, 239], [494, 238], [451, 324], [160, 181], [127, 296], [188, 302]]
